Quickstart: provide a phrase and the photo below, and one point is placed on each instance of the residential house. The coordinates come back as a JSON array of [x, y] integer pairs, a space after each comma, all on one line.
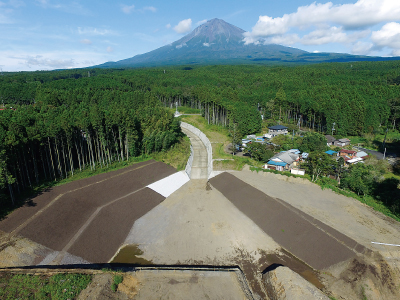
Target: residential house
[[347, 154], [341, 142], [283, 161], [362, 154], [276, 130], [330, 140]]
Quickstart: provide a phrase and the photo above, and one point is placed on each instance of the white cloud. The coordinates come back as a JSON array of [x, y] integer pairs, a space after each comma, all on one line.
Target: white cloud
[[388, 36], [73, 7], [362, 48], [110, 49], [206, 44], [201, 22], [40, 61], [332, 35], [168, 26], [287, 39], [95, 31], [127, 9], [86, 42], [17, 60], [361, 14], [150, 8], [184, 26]]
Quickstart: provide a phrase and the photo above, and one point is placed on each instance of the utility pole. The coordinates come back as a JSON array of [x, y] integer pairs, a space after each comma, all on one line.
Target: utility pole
[[333, 127], [384, 143]]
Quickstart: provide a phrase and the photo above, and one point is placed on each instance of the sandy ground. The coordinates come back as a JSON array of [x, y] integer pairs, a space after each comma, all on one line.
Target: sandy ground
[[375, 275], [345, 214], [178, 285], [199, 226], [293, 231]]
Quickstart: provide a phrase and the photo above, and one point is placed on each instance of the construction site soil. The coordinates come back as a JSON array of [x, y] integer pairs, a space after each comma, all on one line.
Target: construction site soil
[[238, 220], [287, 227], [89, 217]]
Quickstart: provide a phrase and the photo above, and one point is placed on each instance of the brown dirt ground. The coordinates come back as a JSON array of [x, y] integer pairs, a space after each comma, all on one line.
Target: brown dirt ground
[[33, 205], [112, 225], [295, 233], [58, 223]]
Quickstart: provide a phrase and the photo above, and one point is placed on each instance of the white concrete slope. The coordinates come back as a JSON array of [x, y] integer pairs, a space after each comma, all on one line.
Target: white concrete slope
[[170, 184], [200, 158]]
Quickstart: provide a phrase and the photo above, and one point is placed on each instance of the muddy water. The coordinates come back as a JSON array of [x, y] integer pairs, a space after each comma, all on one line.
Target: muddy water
[[129, 255]]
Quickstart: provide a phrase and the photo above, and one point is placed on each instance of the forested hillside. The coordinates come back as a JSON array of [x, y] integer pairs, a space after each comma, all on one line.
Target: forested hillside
[[61, 121], [71, 124]]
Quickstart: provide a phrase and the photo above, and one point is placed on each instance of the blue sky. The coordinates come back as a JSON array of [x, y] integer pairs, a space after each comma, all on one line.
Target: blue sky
[[52, 34]]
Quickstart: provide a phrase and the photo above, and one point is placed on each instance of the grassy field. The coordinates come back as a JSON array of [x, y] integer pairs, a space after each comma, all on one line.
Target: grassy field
[[59, 286], [177, 156]]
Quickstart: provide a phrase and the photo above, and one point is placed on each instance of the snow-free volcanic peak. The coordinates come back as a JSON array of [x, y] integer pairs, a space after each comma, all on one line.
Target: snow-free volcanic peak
[[218, 42]]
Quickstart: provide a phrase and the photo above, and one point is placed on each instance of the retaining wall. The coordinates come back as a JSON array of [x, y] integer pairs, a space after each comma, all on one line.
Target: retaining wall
[[206, 143]]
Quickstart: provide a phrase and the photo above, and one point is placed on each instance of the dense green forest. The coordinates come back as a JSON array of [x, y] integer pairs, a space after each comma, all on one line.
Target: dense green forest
[[54, 123]]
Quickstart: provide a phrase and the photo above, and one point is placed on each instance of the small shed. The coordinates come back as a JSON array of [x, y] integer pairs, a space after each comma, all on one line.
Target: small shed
[[330, 140], [342, 142], [275, 165], [277, 130]]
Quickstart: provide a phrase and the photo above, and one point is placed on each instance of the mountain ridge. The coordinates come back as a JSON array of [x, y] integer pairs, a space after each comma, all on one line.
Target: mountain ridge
[[218, 42]]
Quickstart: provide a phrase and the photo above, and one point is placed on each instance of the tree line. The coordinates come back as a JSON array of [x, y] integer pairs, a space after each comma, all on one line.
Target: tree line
[[69, 130], [66, 120]]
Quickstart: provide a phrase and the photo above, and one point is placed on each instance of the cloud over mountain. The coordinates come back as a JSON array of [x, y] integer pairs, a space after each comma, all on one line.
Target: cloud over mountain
[[184, 26], [329, 23]]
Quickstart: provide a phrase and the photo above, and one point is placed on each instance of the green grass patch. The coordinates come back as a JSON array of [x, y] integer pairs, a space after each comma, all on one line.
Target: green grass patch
[[116, 281], [59, 286], [177, 156], [188, 110]]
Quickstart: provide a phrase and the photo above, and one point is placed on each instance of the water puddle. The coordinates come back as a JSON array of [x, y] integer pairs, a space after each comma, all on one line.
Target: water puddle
[[129, 255]]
